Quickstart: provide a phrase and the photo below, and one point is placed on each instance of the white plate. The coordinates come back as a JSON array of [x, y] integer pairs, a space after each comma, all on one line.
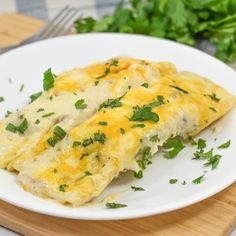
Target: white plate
[[27, 64]]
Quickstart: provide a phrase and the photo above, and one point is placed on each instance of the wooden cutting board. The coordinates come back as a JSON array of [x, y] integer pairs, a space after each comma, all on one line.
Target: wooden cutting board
[[215, 216]]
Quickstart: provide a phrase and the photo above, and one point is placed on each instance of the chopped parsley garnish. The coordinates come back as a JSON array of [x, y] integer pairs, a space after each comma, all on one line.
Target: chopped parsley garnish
[[21, 87], [23, 126], [192, 141], [1, 99], [154, 138], [184, 182], [87, 142], [8, 113], [58, 135], [213, 109], [115, 205], [48, 81], [138, 126], [59, 132], [172, 147], [111, 103], [62, 187], [225, 145], [48, 114], [99, 137], [173, 181], [201, 143], [35, 96], [12, 128], [102, 123], [198, 180], [159, 101], [145, 85], [55, 170], [52, 141], [80, 104], [86, 173], [138, 174], [40, 109], [213, 161], [37, 121], [129, 87], [50, 98], [84, 155], [96, 82], [144, 114], [213, 97], [122, 131], [178, 88], [76, 143], [203, 155], [20, 129], [146, 158], [137, 188], [108, 69]]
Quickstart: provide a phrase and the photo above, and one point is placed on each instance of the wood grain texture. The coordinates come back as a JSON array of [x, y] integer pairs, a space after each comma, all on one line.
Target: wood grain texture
[[215, 216], [16, 27]]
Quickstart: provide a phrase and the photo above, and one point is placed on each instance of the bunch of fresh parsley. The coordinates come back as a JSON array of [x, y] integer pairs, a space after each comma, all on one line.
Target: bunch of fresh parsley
[[185, 21]]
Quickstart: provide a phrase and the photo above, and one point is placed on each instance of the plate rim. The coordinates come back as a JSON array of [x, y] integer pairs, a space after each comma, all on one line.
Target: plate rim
[[139, 213]]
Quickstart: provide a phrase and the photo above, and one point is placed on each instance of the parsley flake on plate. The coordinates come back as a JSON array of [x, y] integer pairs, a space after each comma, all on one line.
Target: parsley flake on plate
[[8, 113], [173, 181], [137, 188], [1, 99], [225, 145], [21, 88], [115, 205], [138, 174], [198, 180], [201, 143]]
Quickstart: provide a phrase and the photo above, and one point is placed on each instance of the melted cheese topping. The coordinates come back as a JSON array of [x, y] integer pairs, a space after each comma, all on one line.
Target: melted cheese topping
[[68, 88], [182, 114], [75, 175]]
